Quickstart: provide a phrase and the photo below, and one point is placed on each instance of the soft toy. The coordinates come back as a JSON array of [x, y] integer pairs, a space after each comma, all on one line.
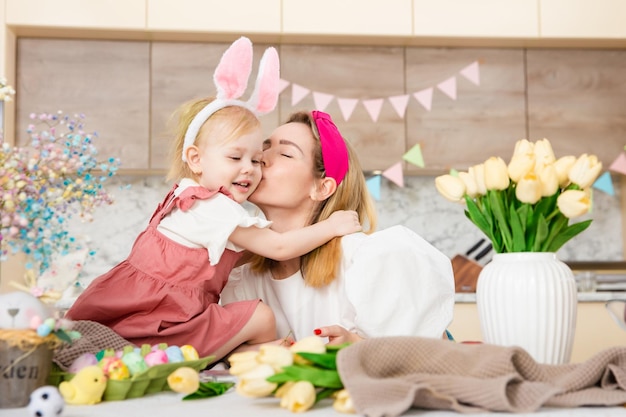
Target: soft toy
[[86, 388], [45, 401], [18, 309]]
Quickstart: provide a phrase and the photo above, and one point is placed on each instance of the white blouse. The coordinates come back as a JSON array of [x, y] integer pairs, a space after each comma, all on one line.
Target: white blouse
[[391, 282], [208, 223]]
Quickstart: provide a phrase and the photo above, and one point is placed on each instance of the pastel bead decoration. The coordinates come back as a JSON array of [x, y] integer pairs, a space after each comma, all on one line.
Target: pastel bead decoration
[[189, 353], [114, 368]]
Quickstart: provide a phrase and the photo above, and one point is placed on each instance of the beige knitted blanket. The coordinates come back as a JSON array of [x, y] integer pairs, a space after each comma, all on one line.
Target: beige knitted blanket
[[387, 376]]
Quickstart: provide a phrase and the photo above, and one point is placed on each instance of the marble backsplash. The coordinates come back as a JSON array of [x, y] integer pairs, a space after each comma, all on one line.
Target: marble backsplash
[[417, 205]]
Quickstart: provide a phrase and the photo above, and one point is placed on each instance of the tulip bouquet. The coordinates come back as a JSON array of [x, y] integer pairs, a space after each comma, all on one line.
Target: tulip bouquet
[[300, 375], [526, 205]]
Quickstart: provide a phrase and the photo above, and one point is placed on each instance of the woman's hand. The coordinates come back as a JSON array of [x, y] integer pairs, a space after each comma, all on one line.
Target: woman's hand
[[337, 335]]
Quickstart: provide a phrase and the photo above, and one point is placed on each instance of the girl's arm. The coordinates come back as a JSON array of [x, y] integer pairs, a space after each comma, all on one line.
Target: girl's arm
[[294, 243]]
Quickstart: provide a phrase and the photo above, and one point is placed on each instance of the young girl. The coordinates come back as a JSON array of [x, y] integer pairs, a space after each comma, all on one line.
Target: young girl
[[169, 287]]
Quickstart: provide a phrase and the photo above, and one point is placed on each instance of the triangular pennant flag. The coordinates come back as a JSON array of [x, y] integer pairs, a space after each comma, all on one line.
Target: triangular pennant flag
[[471, 73], [414, 156], [373, 185], [448, 87], [399, 103], [619, 165], [425, 98], [282, 84], [394, 174], [373, 107], [322, 100], [347, 105], [604, 183], [298, 93], [454, 172]]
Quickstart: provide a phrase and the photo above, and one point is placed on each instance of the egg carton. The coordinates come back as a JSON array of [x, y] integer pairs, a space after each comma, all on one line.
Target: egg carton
[[150, 381]]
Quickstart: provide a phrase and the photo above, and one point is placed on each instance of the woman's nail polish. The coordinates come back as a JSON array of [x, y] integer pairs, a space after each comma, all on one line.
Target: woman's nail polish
[[317, 332]]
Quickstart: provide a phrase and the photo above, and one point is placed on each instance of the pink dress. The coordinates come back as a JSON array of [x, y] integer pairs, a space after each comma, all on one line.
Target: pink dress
[[166, 292]]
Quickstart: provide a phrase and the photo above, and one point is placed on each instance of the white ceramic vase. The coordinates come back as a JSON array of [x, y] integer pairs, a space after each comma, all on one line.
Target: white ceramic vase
[[529, 299]]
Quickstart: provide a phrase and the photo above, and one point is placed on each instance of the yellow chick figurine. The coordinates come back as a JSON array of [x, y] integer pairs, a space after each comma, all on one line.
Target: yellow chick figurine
[[86, 388]]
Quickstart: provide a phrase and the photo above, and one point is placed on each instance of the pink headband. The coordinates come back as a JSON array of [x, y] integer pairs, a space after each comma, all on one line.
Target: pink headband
[[334, 149]]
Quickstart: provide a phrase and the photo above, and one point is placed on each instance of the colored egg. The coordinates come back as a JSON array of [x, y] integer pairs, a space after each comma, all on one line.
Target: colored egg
[[174, 354], [114, 368], [189, 353], [156, 357], [86, 359], [135, 362]]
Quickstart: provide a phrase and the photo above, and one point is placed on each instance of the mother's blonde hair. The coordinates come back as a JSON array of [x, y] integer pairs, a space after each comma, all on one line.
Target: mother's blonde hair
[[319, 267]]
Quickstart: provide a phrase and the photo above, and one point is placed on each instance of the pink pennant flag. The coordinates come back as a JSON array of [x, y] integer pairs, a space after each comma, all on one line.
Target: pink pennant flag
[[322, 100], [373, 107], [394, 174], [619, 165], [282, 84], [298, 93], [425, 98], [448, 87], [399, 103], [471, 73], [347, 105]]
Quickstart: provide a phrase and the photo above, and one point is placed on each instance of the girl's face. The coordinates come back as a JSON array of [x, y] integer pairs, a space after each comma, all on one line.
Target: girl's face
[[233, 164], [288, 179]]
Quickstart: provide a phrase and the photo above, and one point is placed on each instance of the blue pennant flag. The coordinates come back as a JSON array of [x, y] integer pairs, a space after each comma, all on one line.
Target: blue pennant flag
[[604, 183], [373, 185]]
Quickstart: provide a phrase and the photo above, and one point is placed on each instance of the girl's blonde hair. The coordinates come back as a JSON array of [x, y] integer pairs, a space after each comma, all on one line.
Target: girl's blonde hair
[[319, 267], [224, 125]]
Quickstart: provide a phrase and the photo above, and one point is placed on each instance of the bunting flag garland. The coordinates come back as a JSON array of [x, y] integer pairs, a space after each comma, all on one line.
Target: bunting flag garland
[[619, 165], [414, 156], [394, 174], [374, 105], [282, 84], [373, 185], [604, 183]]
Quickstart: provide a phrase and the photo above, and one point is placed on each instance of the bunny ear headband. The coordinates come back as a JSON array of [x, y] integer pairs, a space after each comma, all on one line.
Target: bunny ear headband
[[231, 79]]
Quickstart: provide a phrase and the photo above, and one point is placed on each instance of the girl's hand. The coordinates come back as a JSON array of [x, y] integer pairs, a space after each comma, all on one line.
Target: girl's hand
[[337, 335], [345, 222]]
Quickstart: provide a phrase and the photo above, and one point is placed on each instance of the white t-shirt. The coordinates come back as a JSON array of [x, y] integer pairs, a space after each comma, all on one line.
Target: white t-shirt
[[391, 282], [208, 223]]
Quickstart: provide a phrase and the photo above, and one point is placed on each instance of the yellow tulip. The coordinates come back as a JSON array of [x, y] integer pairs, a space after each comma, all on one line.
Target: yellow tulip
[[523, 147], [528, 189], [520, 165], [276, 356], [496, 175], [299, 398], [343, 402], [471, 188], [242, 362], [450, 187], [254, 382], [184, 380], [549, 180], [478, 172], [283, 389], [562, 167], [573, 203], [311, 344], [585, 170], [543, 152]]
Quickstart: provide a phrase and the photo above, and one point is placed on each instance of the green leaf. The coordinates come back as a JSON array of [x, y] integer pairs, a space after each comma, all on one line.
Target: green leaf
[[325, 393], [517, 230], [557, 225], [498, 209], [325, 378], [542, 233], [567, 234], [476, 216], [209, 389], [63, 336], [325, 360]]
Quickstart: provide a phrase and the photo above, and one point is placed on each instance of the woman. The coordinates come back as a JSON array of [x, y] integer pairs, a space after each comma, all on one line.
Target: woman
[[390, 282]]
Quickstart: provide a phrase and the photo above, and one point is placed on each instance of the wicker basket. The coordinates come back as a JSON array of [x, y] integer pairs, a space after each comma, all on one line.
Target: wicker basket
[[25, 363]]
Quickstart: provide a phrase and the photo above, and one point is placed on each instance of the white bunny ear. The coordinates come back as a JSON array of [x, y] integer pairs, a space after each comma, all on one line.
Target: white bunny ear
[[232, 72], [266, 89]]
